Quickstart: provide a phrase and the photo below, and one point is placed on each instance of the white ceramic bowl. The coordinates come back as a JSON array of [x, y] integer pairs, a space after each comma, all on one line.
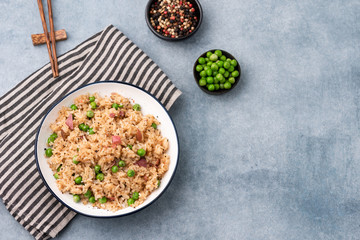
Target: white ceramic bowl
[[149, 105]]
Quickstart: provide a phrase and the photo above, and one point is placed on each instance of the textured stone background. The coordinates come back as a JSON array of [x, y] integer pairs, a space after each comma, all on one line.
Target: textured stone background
[[276, 158]]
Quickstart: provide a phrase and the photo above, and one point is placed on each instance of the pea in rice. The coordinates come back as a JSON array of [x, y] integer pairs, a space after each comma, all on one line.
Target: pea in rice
[[106, 153]]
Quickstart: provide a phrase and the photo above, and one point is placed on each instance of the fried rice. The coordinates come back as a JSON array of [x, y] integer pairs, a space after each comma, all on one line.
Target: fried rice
[[117, 133]]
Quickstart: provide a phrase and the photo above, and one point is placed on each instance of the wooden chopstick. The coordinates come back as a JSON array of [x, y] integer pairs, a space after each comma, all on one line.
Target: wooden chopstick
[[52, 35], [42, 15]]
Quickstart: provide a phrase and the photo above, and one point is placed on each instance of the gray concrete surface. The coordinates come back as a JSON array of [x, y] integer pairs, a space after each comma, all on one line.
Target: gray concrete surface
[[276, 158]]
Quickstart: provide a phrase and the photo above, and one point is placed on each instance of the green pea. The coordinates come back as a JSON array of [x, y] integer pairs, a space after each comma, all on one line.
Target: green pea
[[48, 152], [235, 73], [217, 86], [209, 80], [88, 193], [135, 196], [141, 152], [226, 74], [214, 67], [211, 87], [199, 68], [203, 73], [91, 98], [216, 81], [231, 80], [213, 57], [78, 180], [90, 114], [59, 168], [231, 69], [100, 176], [215, 73], [103, 200], [115, 105], [92, 199], [51, 139], [223, 58], [54, 135], [56, 176], [153, 125], [137, 107], [120, 105], [121, 163], [209, 64], [74, 160], [222, 70], [227, 65], [222, 80], [86, 128], [227, 85], [208, 54], [81, 126], [73, 107], [130, 201], [91, 131], [129, 146], [97, 168], [76, 198], [202, 60], [219, 76], [218, 53], [130, 173], [220, 64], [158, 183], [115, 169], [221, 86], [207, 59], [206, 68], [93, 105], [233, 63]]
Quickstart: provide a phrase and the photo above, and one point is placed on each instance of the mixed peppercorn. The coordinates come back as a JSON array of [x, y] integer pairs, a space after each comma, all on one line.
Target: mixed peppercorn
[[173, 18]]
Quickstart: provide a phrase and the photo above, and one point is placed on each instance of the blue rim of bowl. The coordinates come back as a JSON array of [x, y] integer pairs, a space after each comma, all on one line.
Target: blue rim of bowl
[[159, 35], [121, 215]]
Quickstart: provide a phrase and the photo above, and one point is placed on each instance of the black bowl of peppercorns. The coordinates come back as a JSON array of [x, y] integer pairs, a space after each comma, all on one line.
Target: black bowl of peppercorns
[[173, 20]]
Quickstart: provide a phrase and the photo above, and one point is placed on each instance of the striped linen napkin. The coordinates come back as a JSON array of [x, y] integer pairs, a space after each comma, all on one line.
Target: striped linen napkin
[[108, 55]]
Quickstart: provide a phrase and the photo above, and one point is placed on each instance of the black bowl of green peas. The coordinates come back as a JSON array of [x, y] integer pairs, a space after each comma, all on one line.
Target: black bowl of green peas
[[216, 72]]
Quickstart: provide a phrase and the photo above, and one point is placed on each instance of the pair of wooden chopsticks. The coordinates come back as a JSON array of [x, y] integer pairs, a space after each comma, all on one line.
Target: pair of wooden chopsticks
[[51, 49]]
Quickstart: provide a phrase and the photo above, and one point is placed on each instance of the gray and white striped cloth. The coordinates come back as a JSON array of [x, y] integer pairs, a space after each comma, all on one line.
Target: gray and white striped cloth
[[108, 55]]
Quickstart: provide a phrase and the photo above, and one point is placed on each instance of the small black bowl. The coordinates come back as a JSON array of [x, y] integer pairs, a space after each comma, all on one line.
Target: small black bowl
[[198, 14], [220, 91]]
